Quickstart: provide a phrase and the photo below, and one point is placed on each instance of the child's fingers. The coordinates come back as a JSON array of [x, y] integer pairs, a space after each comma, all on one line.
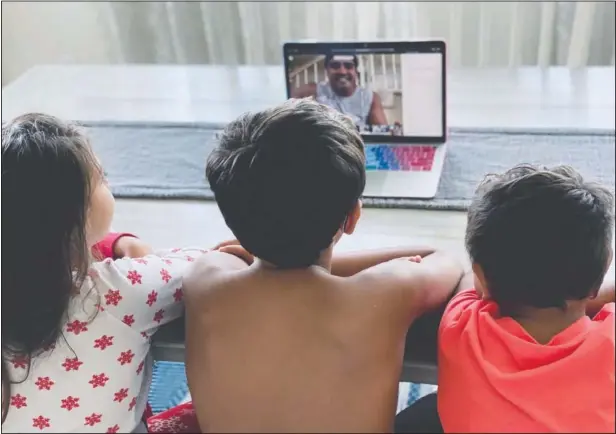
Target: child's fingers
[[239, 251], [416, 259], [226, 243]]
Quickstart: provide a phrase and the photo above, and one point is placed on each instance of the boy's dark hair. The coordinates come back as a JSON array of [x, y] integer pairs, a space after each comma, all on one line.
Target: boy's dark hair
[[542, 236], [286, 178]]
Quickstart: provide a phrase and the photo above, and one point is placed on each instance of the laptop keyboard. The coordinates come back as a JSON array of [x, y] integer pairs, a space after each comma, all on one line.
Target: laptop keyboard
[[388, 157]]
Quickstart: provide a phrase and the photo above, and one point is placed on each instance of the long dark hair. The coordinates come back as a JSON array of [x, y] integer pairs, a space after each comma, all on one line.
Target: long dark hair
[[47, 169]]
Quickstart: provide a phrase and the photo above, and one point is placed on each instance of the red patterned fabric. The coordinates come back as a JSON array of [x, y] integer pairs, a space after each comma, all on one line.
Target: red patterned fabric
[[91, 380], [104, 248], [180, 419], [147, 413]]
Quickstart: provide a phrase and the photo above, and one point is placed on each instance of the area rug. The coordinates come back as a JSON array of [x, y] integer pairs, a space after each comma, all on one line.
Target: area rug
[[167, 161], [169, 388]]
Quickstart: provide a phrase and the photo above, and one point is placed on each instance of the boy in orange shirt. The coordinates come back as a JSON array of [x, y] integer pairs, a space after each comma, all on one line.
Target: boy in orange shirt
[[531, 347]]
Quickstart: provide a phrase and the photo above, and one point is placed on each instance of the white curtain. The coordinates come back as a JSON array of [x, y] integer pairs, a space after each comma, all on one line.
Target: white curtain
[[478, 33]]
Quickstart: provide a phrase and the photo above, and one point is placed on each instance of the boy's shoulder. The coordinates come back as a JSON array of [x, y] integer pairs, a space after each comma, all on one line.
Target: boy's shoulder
[[386, 281], [461, 307], [211, 272]]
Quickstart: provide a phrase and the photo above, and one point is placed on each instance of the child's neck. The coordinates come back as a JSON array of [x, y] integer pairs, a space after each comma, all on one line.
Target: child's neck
[[324, 261], [545, 323]]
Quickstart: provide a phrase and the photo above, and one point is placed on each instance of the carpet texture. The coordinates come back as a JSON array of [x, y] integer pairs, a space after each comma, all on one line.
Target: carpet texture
[[167, 161], [169, 388]]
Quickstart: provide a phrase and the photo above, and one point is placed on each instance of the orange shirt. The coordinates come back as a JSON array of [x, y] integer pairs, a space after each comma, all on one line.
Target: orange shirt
[[494, 377]]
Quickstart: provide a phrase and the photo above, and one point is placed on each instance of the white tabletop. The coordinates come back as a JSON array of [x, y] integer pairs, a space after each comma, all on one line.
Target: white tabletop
[[524, 97]]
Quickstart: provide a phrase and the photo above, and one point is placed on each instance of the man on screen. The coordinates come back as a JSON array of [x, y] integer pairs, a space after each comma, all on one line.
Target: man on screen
[[343, 93]]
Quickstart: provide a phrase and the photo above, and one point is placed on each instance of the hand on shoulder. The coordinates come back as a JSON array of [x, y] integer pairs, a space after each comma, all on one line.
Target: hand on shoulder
[[233, 247]]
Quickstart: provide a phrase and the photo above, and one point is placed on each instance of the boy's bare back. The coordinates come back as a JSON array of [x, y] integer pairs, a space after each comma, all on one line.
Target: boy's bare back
[[283, 345], [298, 350]]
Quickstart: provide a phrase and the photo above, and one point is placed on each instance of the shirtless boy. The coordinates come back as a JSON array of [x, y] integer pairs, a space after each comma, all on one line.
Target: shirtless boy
[[298, 342]]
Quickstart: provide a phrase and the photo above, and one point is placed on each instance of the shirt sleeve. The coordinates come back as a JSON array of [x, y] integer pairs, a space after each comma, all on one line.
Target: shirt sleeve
[[606, 311], [457, 305], [144, 293], [105, 248]]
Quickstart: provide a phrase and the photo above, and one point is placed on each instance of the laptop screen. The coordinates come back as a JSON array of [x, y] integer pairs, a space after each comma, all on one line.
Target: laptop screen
[[393, 91]]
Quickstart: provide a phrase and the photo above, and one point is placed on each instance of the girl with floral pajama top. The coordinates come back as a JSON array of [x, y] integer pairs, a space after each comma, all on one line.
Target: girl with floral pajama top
[[75, 331]]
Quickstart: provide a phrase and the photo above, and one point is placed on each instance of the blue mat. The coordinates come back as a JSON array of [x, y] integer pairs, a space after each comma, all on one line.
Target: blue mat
[[168, 161], [169, 386]]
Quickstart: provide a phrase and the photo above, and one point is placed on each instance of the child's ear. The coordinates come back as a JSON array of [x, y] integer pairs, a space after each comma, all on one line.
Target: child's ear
[[352, 219], [594, 294], [480, 282]]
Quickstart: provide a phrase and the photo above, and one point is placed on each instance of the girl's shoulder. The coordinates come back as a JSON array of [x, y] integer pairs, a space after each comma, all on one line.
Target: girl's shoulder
[[152, 270], [141, 293]]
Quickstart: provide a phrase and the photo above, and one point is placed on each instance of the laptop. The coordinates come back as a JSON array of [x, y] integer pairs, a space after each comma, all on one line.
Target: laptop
[[396, 94]]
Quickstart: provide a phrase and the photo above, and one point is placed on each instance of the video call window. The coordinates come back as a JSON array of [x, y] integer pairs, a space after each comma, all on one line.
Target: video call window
[[385, 93]]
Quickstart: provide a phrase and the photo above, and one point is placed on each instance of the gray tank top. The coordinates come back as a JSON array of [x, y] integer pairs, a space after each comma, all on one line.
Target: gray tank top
[[356, 106]]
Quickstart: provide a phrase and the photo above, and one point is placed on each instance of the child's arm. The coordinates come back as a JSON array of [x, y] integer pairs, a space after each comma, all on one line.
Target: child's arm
[[343, 264], [349, 264], [415, 287], [117, 245], [215, 266], [231, 258], [144, 293], [467, 281], [605, 295]]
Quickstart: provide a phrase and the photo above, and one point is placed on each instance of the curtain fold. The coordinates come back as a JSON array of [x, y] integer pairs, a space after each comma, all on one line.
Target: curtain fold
[[480, 34]]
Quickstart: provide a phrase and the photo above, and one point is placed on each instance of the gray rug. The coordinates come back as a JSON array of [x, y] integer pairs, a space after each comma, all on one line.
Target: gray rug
[[167, 161]]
